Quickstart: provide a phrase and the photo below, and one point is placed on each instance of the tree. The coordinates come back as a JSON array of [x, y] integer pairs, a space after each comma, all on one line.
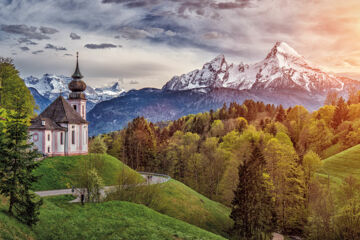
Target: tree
[[331, 98], [280, 117], [340, 114], [97, 145], [252, 206], [17, 163], [311, 163], [14, 94], [217, 129]]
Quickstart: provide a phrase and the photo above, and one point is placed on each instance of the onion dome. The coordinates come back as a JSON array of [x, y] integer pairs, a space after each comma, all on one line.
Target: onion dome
[[77, 85]]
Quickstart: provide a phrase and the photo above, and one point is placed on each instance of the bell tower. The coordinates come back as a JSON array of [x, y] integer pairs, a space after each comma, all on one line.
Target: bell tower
[[77, 86]]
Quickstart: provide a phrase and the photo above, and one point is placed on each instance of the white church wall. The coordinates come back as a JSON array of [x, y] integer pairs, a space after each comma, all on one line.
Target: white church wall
[[37, 137]]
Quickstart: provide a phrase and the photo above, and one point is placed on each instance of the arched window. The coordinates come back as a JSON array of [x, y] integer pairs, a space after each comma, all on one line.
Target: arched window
[[48, 149], [48, 137]]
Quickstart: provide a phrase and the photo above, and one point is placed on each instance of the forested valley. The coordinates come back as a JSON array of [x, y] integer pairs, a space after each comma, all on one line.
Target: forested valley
[[262, 160]]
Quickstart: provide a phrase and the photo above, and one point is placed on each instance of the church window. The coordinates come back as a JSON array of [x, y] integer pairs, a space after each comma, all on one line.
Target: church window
[[61, 138], [48, 149], [73, 137], [48, 137], [74, 106], [43, 122], [83, 111]]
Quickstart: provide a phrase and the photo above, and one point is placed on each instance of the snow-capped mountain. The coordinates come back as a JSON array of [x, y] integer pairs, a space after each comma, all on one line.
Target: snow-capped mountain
[[283, 77], [50, 86], [283, 68]]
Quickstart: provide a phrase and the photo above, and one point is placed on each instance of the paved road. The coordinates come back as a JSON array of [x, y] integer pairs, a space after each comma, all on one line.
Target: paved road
[[151, 178]]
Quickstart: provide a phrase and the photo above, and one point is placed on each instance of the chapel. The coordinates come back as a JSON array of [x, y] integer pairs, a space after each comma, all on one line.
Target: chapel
[[61, 129]]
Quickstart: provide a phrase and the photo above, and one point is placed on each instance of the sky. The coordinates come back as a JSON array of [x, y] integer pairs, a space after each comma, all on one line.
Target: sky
[[144, 43]]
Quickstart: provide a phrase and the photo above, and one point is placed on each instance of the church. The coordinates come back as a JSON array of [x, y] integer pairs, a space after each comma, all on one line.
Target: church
[[61, 129]]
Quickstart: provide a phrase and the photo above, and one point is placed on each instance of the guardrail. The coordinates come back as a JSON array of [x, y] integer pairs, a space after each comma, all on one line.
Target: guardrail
[[155, 174]]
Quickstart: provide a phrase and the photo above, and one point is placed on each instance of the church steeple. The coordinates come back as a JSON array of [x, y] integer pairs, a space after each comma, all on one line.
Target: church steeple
[[77, 73], [77, 86]]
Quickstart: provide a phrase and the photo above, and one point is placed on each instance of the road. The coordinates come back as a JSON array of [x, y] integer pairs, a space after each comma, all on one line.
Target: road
[[151, 178]]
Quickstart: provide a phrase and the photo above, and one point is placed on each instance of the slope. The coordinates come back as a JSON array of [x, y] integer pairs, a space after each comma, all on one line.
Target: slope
[[179, 201], [110, 220], [60, 172], [343, 164]]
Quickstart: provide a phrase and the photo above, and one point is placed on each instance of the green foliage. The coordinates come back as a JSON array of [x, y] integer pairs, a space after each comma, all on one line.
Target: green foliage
[[14, 94], [17, 163], [253, 204], [140, 145], [97, 145], [340, 114]]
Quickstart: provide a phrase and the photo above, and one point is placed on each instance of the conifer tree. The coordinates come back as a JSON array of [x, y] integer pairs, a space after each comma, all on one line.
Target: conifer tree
[[340, 114], [252, 206], [17, 162], [280, 117]]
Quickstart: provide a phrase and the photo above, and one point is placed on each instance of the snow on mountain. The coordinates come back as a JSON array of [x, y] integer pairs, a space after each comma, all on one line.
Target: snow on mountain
[[51, 86], [283, 68]]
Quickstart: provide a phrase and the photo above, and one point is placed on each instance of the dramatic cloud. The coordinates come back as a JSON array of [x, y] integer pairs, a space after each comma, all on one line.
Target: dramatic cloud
[[50, 46], [100, 46], [26, 41], [74, 36], [48, 30], [29, 32], [37, 52], [24, 49]]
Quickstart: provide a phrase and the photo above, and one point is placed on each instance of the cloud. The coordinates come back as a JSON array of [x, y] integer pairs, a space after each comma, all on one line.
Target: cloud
[[26, 41], [56, 48], [24, 49], [48, 30], [74, 36], [30, 32], [37, 52], [68, 54], [100, 46], [133, 82], [170, 33]]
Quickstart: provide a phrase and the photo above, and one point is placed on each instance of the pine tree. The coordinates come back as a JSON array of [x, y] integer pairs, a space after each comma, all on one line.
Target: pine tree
[[17, 162], [280, 117], [340, 114], [252, 206]]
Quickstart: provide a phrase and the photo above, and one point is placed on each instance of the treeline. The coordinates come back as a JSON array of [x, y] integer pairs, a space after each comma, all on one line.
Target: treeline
[[206, 150]]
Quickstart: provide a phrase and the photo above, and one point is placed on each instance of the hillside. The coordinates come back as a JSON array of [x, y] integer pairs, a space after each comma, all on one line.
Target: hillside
[[110, 220], [181, 202], [342, 164], [60, 172]]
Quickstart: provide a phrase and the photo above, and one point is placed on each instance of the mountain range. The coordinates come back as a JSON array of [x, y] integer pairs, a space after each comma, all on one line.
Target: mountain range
[[47, 88], [282, 77]]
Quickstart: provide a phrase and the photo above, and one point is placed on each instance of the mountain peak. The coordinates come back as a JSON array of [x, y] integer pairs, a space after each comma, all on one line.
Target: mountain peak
[[284, 49]]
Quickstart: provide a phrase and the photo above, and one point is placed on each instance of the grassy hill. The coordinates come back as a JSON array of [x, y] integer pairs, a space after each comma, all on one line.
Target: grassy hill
[[109, 220], [60, 172], [179, 201], [342, 165]]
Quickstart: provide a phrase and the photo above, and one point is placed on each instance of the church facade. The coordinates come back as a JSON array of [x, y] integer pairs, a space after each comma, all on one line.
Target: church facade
[[61, 129]]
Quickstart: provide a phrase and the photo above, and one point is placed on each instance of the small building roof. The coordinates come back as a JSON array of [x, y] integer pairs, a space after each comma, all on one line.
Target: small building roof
[[59, 111]]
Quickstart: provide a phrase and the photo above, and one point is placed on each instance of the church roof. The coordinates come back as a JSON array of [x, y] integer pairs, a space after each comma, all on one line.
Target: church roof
[[37, 123], [59, 111]]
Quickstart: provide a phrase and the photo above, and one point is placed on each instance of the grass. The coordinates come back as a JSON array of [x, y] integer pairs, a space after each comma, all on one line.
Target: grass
[[110, 220], [60, 172], [341, 165], [10, 228], [179, 201]]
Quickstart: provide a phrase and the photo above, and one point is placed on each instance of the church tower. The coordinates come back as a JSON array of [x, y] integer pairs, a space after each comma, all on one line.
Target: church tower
[[77, 86]]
